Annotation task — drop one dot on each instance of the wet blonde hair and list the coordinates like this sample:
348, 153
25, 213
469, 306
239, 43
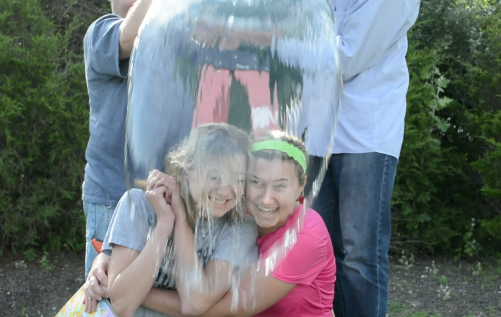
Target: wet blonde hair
276, 154
213, 142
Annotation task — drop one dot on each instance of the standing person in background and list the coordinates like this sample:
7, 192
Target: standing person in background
107, 46
354, 199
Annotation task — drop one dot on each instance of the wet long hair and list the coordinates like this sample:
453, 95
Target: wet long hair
213, 142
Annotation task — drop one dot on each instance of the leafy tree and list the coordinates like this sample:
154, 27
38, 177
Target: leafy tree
43, 120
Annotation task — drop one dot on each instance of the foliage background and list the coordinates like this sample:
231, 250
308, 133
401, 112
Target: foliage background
447, 196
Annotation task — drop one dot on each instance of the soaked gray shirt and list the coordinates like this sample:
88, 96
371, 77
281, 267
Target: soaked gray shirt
134, 219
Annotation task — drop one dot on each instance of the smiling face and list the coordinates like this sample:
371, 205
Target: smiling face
272, 191
222, 188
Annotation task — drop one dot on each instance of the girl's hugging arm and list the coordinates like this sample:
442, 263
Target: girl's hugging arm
134, 259
258, 292
200, 288
236, 249
249, 304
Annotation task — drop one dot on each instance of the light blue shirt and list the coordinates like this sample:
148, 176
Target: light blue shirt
372, 44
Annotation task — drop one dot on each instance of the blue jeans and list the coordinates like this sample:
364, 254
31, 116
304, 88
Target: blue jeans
98, 219
354, 201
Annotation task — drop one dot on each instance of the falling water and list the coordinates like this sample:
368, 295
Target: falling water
259, 65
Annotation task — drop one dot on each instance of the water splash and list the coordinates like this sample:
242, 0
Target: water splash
258, 65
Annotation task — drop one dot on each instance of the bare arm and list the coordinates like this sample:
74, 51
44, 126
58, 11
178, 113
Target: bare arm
199, 288
212, 282
267, 292
132, 273
130, 26
258, 292
164, 301
96, 286
207, 284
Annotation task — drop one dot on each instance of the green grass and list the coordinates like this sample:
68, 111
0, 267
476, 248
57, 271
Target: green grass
442, 280
420, 314
404, 310
416, 314
491, 312
395, 308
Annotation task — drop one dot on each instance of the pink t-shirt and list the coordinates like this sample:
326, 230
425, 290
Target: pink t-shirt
310, 265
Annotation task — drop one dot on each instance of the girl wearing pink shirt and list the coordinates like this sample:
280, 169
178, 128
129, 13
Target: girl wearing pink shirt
302, 283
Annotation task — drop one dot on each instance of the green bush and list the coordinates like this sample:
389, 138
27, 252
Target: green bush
420, 217
489, 167
485, 88
448, 175
43, 120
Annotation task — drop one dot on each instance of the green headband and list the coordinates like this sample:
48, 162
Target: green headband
282, 146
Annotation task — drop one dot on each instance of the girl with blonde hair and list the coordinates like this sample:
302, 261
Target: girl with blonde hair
186, 231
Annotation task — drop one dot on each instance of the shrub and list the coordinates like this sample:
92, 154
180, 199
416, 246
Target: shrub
448, 174
420, 217
43, 120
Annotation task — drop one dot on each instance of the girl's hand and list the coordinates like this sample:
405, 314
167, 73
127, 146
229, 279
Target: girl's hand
156, 179
95, 288
175, 197
171, 191
158, 196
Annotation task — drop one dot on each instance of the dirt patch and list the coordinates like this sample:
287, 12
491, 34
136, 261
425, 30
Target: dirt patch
38, 288
438, 287
418, 288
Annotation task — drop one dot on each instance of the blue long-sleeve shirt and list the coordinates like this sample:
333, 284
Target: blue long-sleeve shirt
372, 44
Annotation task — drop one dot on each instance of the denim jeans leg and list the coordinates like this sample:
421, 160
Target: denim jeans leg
326, 204
363, 184
98, 219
